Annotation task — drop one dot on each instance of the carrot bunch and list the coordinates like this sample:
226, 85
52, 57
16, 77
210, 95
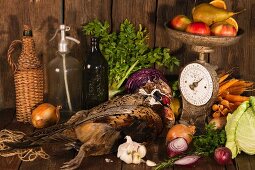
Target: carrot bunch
230, 94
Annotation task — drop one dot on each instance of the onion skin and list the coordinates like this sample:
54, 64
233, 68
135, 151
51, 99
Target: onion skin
181, 131
187, 160
223, 155
45, 115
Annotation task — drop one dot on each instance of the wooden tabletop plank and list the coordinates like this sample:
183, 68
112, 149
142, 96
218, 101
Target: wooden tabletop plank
58, 156
99, 162
204, 163
243, 162
252, 161
231, 166
156, 151
13, 162
6, 117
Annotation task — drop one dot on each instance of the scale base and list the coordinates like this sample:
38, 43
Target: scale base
197, 115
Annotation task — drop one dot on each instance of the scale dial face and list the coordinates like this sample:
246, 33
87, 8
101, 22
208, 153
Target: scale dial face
196, 84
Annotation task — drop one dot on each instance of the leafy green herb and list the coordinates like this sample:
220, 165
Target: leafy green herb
209, 141
168, 163
203, 145
127, 51
175, 88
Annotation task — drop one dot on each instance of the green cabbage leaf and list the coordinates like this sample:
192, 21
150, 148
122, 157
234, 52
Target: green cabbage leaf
240, 129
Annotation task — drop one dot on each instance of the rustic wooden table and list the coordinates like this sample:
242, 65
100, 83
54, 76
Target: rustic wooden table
156, 152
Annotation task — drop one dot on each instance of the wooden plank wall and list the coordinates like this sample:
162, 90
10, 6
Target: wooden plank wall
43, 16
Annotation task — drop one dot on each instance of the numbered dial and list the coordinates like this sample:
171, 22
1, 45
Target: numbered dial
196, 84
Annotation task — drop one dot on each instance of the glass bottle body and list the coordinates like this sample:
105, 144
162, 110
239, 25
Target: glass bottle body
95, 77
65, 83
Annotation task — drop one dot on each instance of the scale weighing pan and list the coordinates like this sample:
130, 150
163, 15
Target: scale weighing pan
204, 40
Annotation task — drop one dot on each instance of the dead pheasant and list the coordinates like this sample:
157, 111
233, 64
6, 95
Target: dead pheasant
97, 131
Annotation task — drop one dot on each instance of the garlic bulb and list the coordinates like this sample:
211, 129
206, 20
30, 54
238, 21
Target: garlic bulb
131, 152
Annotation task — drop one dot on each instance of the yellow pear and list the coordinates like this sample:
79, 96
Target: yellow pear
210, 14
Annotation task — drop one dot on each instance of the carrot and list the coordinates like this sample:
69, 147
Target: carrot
215, 107
242, 83
224, 93
225, 103
227, 85
219, 98
223, 77
237, 103
222, 83
234, 106
216, 114
225, 112
236, 90
236, 98
221, 107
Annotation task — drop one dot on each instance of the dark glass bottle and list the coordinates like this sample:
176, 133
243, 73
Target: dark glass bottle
95, 77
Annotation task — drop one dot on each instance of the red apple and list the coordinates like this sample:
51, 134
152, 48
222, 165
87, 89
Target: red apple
198, 28
180, 22
223, 29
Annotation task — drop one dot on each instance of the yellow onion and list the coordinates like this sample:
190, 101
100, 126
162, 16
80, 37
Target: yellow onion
181, 131
45, 115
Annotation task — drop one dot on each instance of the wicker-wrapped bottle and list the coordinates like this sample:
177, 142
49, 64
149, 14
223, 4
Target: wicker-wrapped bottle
28, 76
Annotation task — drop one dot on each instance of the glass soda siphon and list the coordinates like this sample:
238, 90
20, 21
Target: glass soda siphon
65, 77
95, 77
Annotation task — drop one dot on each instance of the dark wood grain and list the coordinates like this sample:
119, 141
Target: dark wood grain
12, 18
58, 156
252, 161
43, 17
79, 13
13, 163
99, 162
242, 162
156, 151
167, 10
240, 55
204, 163
138, 12
231, 166
6, 117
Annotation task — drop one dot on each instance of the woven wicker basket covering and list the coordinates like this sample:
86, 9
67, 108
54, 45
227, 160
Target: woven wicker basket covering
28, 76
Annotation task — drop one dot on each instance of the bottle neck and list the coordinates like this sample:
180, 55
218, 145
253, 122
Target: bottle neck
28, 57
62, 54
94, 44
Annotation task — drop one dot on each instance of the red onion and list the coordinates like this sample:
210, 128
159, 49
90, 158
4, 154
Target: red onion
176, 147
187, 160
223, 155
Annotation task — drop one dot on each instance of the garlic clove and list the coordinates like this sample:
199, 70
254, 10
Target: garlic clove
142, 151
126, 157
121, 151
125, 147
136, 158
150, 163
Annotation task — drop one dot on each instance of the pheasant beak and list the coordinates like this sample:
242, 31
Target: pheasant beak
162, 98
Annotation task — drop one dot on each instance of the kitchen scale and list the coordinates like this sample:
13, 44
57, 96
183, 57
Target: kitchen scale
198, 80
